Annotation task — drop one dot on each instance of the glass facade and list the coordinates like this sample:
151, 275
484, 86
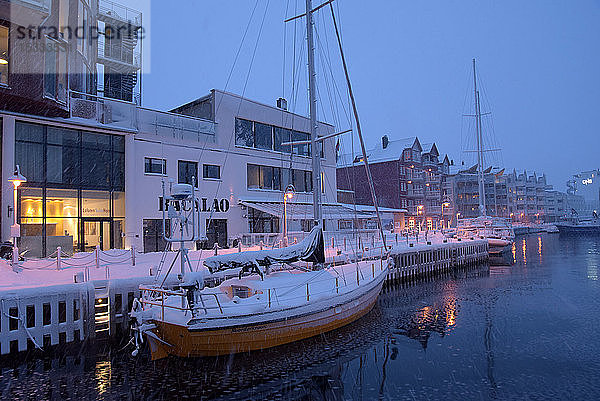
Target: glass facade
74, 196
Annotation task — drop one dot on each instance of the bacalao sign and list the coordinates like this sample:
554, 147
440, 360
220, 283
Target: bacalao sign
217, 205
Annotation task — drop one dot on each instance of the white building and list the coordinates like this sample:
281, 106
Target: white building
96, 178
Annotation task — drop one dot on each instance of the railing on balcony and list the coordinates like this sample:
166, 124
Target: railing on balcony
129, 116
115, 11
25, 12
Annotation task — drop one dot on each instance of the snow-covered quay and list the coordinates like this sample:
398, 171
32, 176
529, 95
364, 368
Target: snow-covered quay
67, 299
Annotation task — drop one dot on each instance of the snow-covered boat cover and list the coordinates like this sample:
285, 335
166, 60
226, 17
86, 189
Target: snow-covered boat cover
310, 249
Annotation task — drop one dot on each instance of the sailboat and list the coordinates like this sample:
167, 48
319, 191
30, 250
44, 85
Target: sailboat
277, 296
498, 231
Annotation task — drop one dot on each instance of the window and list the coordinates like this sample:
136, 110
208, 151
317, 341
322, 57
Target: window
260, 222
187, 170
155, 166
281, 135
243, 133
211, 171
55, 70
4, 55
304, 149
263, 135
263, 177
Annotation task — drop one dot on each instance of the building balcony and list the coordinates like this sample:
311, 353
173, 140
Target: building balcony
25, 12
131, 117
114, 13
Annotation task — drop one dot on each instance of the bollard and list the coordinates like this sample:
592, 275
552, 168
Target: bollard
239, 246
337, 286
332, 242
132, 255
216, 248
344, 244
307, 294
58, 258
396, 238
260, 245
97, 255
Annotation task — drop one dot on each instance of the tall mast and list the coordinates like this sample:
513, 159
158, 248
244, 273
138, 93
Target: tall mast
482, 210
312, 96
358, 129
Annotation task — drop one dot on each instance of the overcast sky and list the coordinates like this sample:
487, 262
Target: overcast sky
410, 64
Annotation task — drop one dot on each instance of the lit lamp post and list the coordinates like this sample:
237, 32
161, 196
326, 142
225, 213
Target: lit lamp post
287, 195
15, 229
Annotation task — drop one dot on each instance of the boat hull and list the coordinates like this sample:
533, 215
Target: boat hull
183, 341
578, 229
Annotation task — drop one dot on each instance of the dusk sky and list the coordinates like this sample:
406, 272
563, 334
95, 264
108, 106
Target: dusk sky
410, 65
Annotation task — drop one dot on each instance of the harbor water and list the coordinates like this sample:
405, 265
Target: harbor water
527, 328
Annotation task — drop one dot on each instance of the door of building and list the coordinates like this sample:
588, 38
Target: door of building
216, 232
96, 231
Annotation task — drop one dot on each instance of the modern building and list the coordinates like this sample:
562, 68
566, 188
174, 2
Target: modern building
408, 178
52, 50
585, 185
522, 197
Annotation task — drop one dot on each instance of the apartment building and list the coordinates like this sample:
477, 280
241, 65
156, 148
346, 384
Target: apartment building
407, 177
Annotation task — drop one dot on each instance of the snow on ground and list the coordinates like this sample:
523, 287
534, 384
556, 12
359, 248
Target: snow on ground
117, 263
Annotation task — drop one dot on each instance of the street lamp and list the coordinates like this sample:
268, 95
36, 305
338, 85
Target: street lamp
15, 230
287, 195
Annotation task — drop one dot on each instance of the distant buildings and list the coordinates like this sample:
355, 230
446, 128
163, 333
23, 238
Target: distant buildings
410, 176
586, 184
519, 196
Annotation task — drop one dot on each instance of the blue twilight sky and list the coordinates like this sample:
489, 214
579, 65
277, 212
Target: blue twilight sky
410, 64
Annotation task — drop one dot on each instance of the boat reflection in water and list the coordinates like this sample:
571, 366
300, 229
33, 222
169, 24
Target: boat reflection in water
430, 319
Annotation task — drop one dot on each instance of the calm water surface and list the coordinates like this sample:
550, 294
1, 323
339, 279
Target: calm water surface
526, 331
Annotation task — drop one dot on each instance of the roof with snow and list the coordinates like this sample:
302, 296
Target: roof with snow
393, 151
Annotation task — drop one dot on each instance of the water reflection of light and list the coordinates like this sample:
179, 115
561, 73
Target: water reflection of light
514, 252
103, 376
540, 247
524, 251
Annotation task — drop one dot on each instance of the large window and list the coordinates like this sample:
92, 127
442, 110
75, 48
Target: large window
155, 166
55, 70
276, 178
264, 136
260, 222
264, 177
71, 175
4, 55
211, 171
244, 135
282, 135
187, 170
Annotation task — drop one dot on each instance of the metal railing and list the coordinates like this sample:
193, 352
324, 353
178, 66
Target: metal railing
127, 115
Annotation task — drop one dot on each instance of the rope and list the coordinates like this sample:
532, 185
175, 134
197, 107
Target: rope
19, 318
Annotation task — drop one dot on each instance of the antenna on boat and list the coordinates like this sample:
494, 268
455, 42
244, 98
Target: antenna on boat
180, 206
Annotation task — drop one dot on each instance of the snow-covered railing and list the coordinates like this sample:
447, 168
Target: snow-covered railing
292, 294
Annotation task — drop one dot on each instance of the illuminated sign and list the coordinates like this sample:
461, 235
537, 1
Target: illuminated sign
587, 181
